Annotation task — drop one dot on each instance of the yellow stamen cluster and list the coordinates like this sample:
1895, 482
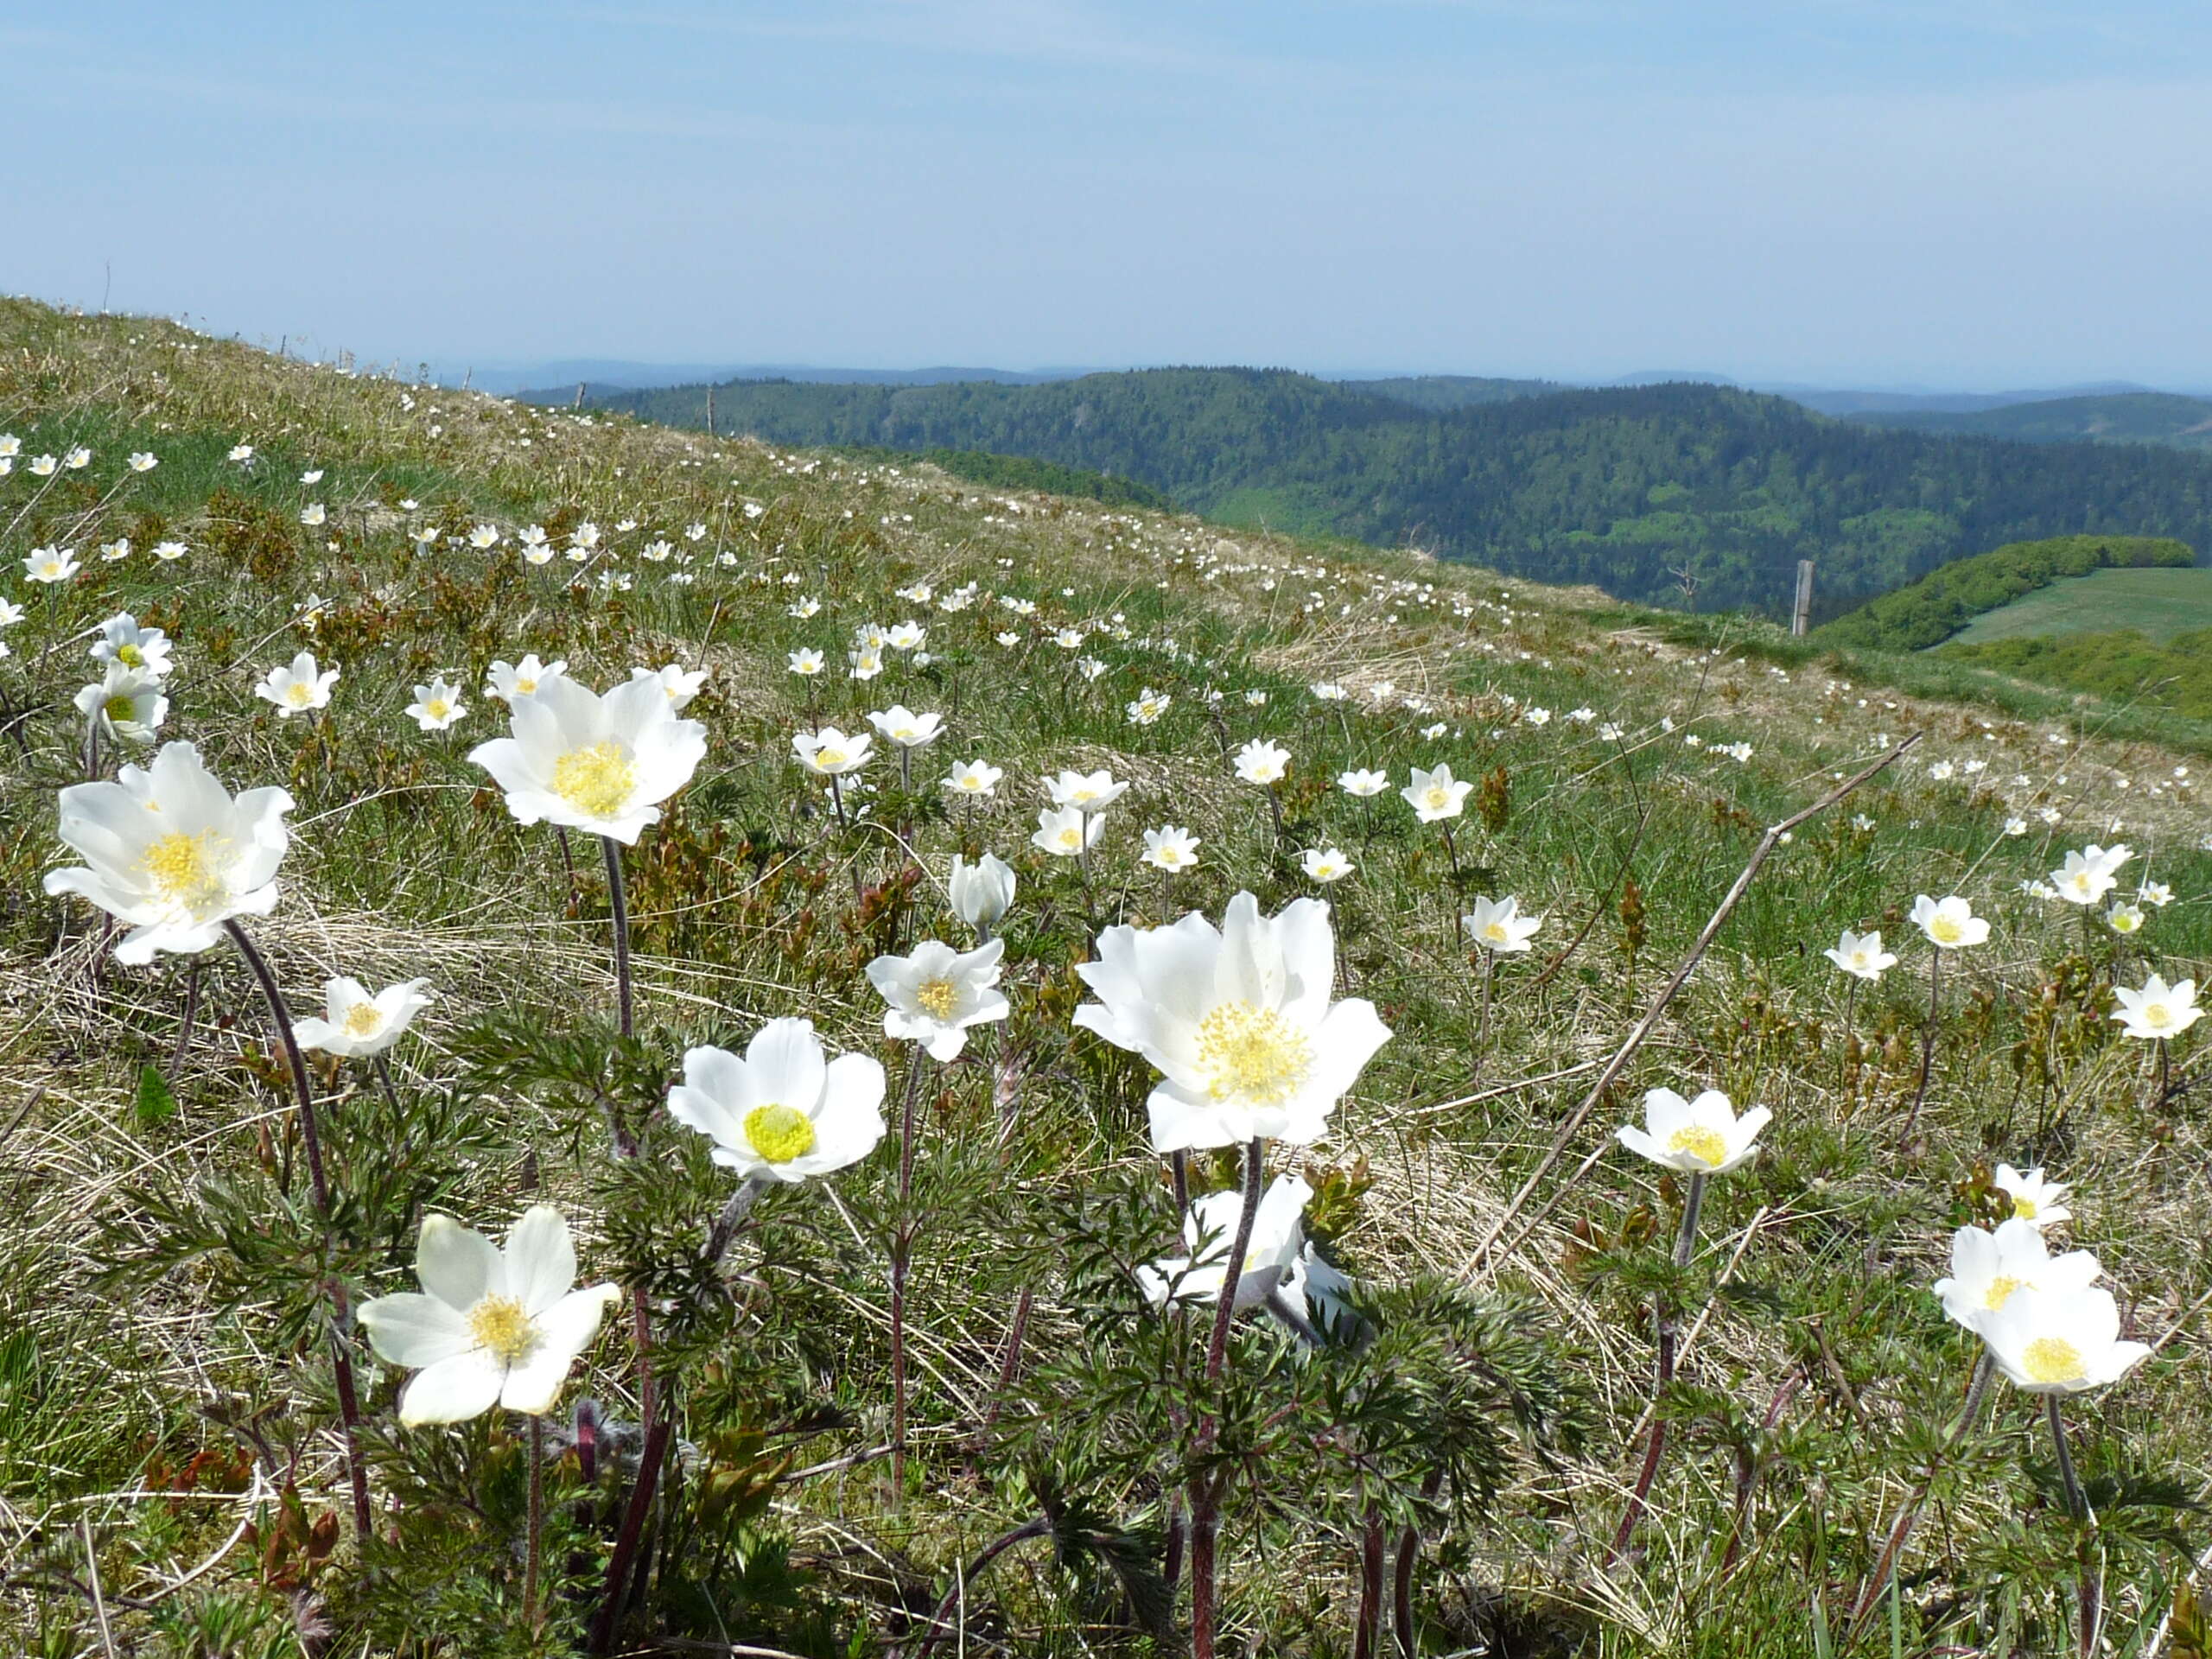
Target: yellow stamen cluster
130, 655
1944, 931
780, 1133
2025, 1209
1708, 1147
186, 869
2052, 1359
297, 693
362, 1019
1252, 1054
597, 781
937, 997
2000, 1290
120, 709
502, 1327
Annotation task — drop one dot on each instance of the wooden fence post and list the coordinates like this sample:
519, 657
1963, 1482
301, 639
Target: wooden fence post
1801, 614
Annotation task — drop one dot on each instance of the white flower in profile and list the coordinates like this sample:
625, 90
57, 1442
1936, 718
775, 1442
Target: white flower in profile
1087, 791
170, 852
597, 763
785, 1111
484, 537
1698, 1137
1171, 847
981, 893
1861, 956
50, 564
143, 461
1069, 638
436, 705
496, 1326
1362, 784
679, 684
120, 640
974, 777
359, 1025
907, 636
805, 663
900, 725
2015, 827
1988, 1267
830, 753
1498, 925
2125, 919
1066, 831
1325, 865
2158, 1010
503, 681
124, 703
2033, 1197
1949, 924
1238, 1022
1209, 1234
2089, 874
313, 475
1436, 796
297, 688
1262, 763
314, 515
44, 466
167, 552
804, 609
2058, 1342
935, 993
241, 452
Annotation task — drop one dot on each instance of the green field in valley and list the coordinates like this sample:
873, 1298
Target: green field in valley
2160, 602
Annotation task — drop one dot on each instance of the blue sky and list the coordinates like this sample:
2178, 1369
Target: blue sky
1959, 193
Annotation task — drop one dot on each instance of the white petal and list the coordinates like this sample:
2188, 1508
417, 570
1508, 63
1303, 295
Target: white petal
414, 1331
456, 1264
541, 1258
452, 1390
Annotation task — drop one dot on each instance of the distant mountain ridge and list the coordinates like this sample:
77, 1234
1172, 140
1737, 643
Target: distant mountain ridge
2132, 417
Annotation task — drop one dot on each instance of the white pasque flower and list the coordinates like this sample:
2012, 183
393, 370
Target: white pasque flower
1699, 1137
1988, 1267
2033, 1197
171, 853
1066, 831
1262, 763
679, 684
598, 763
1087, 791
121, 639
2089, 874
2125, 919
503, 681
2158, 1010
50, 564
934, 993
805, 662
359, 1024
437, 705
125, 702
1861, 956
1949, 923
1237, 1021
909, 730
1171, 847
298, 687
2060, 1341
494, 1326
1497, 926
981, 893
976, 777
1278, 1258
1325, 864
1435, 796
784, 1110
1362, 784
830, 753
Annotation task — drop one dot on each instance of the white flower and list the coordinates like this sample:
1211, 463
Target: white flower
2033, 1197
936, 993
125, 702
313, 475
497, 1327
2015, 827
2157, 895
2089, 874
1148, 706
909, 730
77, 459
361, 1025
2125, 919
44, 466
1989, 1268
1272, 1260
1949, 924
1238, 1022
484, 537
1435, 796
122, 640
1330, 691
115, 551
907, 636
1861, 956
805, 663
503, 681
1325, 865
314, 515
784, 1110
436, 705
1093, 792
10, 613
679, 684
599, 763
170, 853
1262, 763
1069, 638
830, 753
981, 893
50, 564
241, 452
1171, 847
298, 688
804, 609
168, 551
1064, 831
2158, 1010
866, 664
1362, 784
1699, 1137
143, 461
974, 777
2060, 1341
1499, 926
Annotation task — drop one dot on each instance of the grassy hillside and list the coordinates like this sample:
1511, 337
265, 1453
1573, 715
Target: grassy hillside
176, 1302
2172, 672
2116, 418
1625, 488
2158, 603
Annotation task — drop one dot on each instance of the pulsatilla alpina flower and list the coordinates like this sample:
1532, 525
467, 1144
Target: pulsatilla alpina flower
1436, 796
2158, 1010
598, 763
121, 639
2033, 1197
909, 730
125, 702
981, 893
1987, 1268
1861, 956
298, 687
784, 1110
1238, 1022
2060, 1341
1260, 762
1949, 923
1699, 1137
505, 681
1278, 1259
1498, 925
362, 1024
2089, 874
495, 1326
936, 993
830, 753
171, 853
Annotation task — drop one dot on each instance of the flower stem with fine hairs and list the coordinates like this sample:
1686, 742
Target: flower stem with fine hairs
1927, 1041
536, 1521
1655, 1448
619, 902
1207, 1492
349, 1404
902, 1244
732, 1215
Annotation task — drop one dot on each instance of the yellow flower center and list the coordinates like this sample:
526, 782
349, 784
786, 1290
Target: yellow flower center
828, 758
1497, 933
363, 1019
1252, 1054
1438, 797
1708, 1147
2157, 1016
597, 781
937, 997
1944, 929
2052, 1359
120, 708
525, 688
2024, 1208
780, 1133
297, 693
184, 868
436, 708
2000, 1290
130, 655
502, 1327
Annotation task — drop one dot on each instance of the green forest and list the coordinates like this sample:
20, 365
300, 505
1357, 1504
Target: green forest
1929, 611
2106, 417
1666, 493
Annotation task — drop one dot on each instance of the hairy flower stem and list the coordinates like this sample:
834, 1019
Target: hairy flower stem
619, 902
1367, 1633
1482, 1015
658, 1433
536, 1521
733, 1217
1036, 1527
349, 1404
1408, 1558
1985, 1369
1664, 1316
1850, 1034
1206, 1493
1927, 1041
902, 1243
185, 1025
2077, 1505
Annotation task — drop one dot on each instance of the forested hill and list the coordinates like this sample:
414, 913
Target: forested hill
2119, 418
1621, 487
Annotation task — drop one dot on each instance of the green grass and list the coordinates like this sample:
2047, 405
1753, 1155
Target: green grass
2158, 603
